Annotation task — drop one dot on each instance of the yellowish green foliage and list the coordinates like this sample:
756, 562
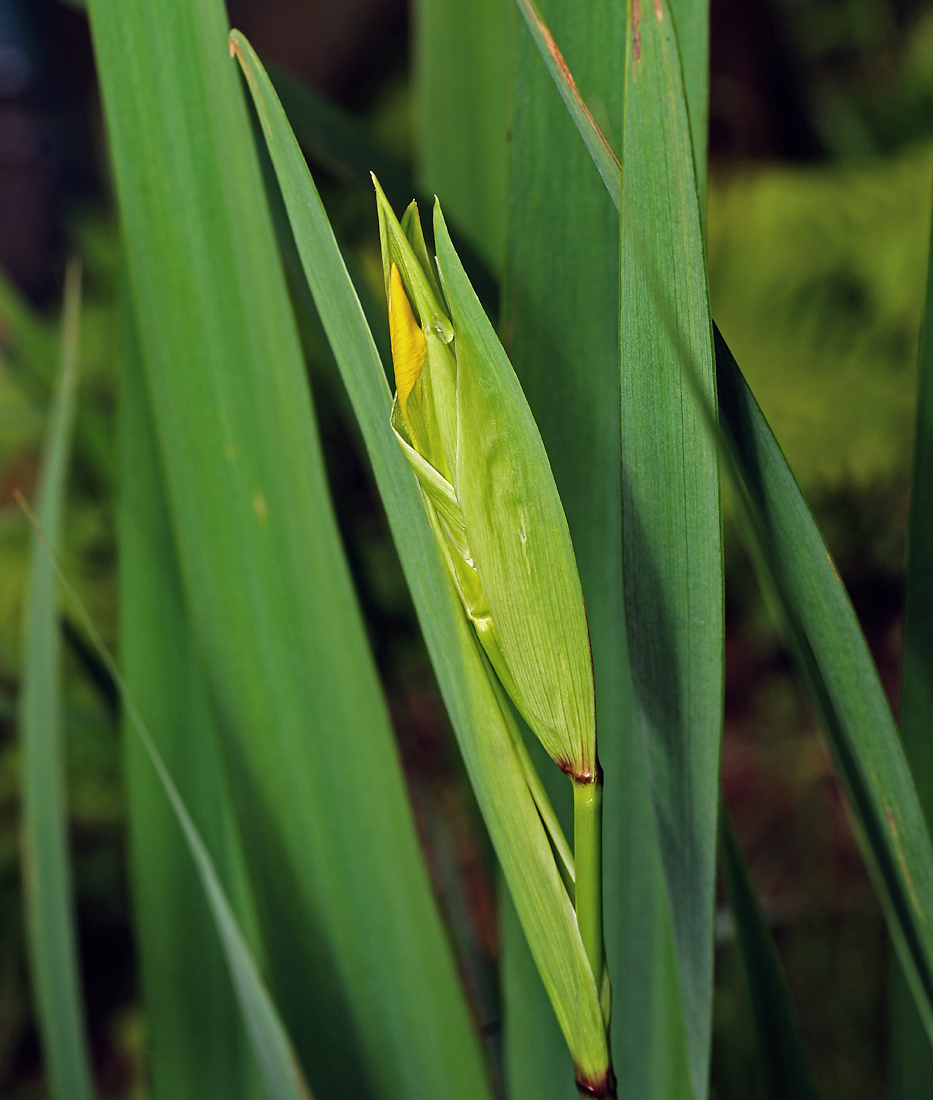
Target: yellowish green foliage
465, 427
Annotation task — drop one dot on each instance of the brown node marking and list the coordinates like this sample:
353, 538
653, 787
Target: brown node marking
583, 777
604, 1088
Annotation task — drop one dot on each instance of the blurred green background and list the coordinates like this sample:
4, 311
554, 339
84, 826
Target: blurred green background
821, 145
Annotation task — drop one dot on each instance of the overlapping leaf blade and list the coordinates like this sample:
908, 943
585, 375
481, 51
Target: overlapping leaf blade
476, 712
278, 1064
597, 140
560, 306
830, 650
46, 869
462, 68
785, 1070
911, 1052
197, 1046
357, 956
691, 22
670, 494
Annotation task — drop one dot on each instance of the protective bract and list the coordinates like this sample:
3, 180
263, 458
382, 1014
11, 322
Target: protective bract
463, 423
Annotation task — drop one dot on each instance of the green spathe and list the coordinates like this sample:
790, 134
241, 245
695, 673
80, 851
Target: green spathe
465, 427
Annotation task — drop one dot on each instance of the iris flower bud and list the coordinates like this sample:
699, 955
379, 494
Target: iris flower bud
465, 427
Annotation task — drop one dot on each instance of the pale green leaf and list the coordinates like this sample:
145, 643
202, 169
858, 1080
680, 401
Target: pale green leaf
197, 1046
518, 532
278, 1065
50, 918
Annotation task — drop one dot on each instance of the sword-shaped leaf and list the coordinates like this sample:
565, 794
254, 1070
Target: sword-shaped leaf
911, 1052
785, 1070
197, 1046
560, 307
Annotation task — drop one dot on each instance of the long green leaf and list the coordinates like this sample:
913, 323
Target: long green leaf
691, 20
476, 711
197, 1047
357, 956
278, 1065
46, 873
671, 507
911, 1053
830, 650
560, 305
785, 1070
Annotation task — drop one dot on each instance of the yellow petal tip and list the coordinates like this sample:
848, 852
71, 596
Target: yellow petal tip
409, 346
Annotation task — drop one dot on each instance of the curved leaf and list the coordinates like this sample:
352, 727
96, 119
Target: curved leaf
46, 870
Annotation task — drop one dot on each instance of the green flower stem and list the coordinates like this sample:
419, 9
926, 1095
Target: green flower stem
588, 857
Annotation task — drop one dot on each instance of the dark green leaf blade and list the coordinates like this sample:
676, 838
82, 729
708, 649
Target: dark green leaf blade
691, 20
828, 645
670, 500
46, 872
604, 156
196, 1039
356, 951
785, 1070
462, 61
560, 302
911, 1054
